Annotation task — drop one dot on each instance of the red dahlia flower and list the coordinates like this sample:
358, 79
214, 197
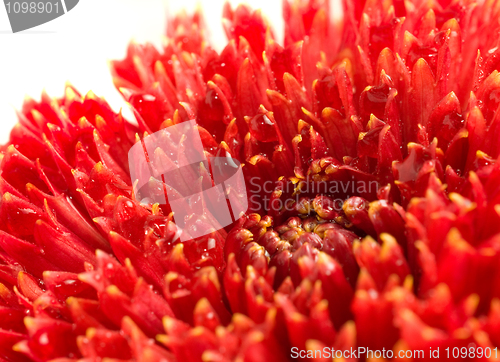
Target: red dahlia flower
371, 152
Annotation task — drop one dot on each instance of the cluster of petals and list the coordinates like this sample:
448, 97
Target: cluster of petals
403, 95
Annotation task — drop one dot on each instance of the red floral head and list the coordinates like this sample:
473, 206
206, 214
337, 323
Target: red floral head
369, 147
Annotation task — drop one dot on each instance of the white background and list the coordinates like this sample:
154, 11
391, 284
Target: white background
76, 47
